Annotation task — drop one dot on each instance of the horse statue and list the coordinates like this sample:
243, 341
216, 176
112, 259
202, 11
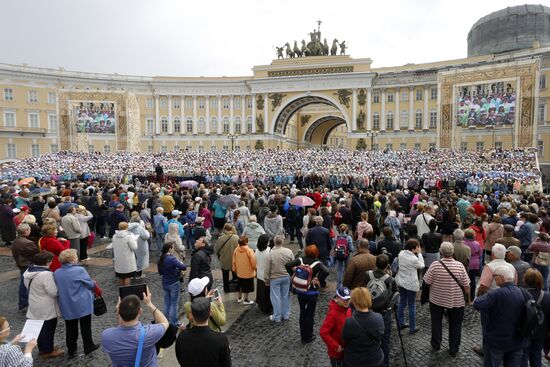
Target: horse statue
289, 52
325, 48
297, 50
305, 50
334, 47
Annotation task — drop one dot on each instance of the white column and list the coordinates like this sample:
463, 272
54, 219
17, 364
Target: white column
411, 109
157, 114
231, 116
369, 112
243, 115
354, 110
219, 115
194, 115
383, 111
266, 122
396, 113
182, 114
207, 126
426, 115
170, 122
253, 113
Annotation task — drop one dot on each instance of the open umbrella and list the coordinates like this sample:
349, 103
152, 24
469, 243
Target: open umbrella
229, 200
189, 183
40, 191
26, 181
302, 200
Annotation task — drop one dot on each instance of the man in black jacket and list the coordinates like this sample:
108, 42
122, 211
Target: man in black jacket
319, 236
389, 245
201, 258
200, 346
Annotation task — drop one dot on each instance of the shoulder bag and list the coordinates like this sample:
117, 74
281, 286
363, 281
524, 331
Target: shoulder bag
140, 346
466, 298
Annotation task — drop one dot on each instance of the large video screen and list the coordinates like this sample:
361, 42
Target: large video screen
492, 104
95, 117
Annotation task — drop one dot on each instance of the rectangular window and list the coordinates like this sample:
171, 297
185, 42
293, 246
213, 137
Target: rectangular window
226, 103
54, 148
12, 150
480, 145
91, 148
188, 103
9, 119
35, 150
498, 145
542, 82
390, 97
149, 103
433, 93
540, 148
433, 119
177, 126
464, 146
8, 94
107, 149
403, 146
189, 124
419, 94
542, 113
33, 96
52, 122
33, 120
213, 103
404, 94
248, 102
225, 148
389, 121
417, 146
418, 120
375, 146
150, 148
163, 103
376, 121
163, 148
201, 103
51, 97
150, 126
237, 148
238, 103
376, 98
176, 103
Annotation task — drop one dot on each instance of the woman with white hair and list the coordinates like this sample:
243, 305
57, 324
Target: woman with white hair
124, 246
253, 230
137, 228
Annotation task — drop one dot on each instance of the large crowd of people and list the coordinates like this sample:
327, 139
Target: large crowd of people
455, 235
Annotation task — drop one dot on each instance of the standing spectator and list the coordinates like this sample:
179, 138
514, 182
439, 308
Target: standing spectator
446, 294
175, 220
253, 230
43, 302
71, 226
170, 269
49, 242
100, 212
159, 223
23, 251
331, 329
84, 216
526, 234
10, 352
308, 299
120, 343
362, 332
124, 246
200, 261
430, 243
534, 285
244, 265
392, 222
200, 346
508, 238
262, 291
480, 234
198, 287
363, 226
541, 256
503, 307
462, 252
358, 265
342, 249
423, 220
383, 303
476, 257
513, 256
219, 215
76, 301
320, 237
487, 279
410, 261
137, 228
117, 216
244, 213
225, 246
173, 237
51, 211
205, 213
495, 230
388, 245
167, 202
276, 277
294, 218
273, 223
237, 222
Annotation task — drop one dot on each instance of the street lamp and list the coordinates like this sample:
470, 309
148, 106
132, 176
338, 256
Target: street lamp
372, 134
232, 137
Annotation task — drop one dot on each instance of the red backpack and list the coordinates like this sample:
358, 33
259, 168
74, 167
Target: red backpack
341, 250
303, 275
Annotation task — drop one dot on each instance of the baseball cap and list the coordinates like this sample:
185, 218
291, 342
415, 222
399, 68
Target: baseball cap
515, 250
25, 208
176, 212
196, 285
343, 293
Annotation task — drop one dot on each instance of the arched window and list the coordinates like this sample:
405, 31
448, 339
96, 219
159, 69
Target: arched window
226, 125
163, 124
213, 125
177, 125
389, 120
201, 126
249, 124
238, 125
189, 124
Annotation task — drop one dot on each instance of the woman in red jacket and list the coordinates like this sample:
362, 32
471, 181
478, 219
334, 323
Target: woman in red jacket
49, 242
331, 330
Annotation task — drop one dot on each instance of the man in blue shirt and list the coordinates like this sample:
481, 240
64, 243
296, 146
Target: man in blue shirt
121, 343
502, 308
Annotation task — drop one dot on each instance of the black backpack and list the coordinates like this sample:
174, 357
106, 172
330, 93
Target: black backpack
532, 316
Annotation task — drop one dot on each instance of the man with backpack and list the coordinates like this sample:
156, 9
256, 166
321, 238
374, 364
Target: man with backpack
504, 308
383, 290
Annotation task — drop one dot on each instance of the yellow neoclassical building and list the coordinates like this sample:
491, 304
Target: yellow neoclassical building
498, 96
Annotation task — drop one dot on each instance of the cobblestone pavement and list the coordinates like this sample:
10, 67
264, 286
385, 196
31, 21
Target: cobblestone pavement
254, 340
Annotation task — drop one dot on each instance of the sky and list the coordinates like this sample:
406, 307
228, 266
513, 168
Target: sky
227, 38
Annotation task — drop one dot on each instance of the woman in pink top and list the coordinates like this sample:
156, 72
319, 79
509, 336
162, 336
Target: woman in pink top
475, 258
207, 215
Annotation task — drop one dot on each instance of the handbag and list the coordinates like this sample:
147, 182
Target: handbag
100, 307
91, 239
542, 259
466, 297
